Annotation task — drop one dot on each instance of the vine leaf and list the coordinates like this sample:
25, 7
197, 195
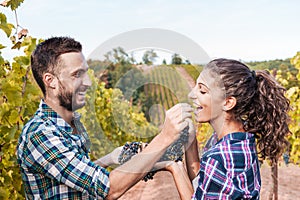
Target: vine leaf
13, 4
17, 45
6, 27
2, 47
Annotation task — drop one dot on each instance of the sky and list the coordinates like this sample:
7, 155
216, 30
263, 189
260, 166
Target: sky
254, 30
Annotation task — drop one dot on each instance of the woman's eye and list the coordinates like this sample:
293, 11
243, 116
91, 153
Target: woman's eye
202, 92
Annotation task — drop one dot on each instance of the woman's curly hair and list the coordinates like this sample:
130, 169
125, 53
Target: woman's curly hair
261, 105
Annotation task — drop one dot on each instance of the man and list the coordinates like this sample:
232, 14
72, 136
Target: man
53, 147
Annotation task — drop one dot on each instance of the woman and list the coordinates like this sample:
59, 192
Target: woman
248, 112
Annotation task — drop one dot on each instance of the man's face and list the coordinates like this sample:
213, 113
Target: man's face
73, 81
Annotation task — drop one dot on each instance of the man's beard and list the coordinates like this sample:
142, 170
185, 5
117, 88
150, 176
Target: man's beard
66, 99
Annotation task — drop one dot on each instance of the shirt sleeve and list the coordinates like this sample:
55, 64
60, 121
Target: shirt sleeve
53, 155
213, 182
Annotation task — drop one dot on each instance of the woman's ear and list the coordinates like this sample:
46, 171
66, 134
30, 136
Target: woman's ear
49, 80
229, 103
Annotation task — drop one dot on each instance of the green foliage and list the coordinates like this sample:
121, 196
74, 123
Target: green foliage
118, 55
149, 57
294, 96
165, 87
18, 92
111, 120
176, 59
4, 26
193, 70
12, 4
283, 70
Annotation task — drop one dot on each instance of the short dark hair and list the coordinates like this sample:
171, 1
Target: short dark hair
45, 57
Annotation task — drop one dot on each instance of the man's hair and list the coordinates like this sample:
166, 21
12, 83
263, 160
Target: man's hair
46, 57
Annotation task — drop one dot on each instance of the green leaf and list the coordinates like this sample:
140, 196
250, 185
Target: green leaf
22, 60
2, 47
17, 45
13, 117
6, 27
4, 193
13, 4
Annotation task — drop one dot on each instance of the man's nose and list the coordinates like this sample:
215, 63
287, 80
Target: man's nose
87, 81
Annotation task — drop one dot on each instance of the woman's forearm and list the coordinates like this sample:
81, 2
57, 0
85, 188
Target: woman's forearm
182, 181
192, 159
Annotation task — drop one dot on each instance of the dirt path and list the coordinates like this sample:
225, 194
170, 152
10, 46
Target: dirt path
288, 182
162, 187
186, 76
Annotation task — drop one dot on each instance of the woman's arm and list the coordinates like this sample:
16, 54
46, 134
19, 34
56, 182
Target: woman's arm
191, 153
192, 160
182, 181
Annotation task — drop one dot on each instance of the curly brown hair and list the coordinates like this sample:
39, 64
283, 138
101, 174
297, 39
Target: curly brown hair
260, 104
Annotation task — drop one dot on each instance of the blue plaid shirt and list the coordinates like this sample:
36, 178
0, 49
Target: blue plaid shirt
54, 161
229, 169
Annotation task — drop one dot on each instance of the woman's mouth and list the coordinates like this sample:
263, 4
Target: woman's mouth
197, 108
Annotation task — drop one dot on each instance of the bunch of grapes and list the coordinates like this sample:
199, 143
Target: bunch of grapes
129, 150
174, 152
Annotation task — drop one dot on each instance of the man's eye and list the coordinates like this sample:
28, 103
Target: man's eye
78, 74
202, 92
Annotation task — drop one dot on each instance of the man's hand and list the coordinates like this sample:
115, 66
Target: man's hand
110, 159
114, 155
175, 120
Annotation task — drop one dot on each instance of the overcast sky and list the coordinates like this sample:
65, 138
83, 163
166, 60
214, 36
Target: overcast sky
247, 30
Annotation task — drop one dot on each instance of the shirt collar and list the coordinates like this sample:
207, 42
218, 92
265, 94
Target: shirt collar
47, 112
237, 136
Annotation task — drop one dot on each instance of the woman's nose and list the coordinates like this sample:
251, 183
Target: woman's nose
191, 95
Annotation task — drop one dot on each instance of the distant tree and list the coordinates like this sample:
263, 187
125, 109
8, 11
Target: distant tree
187, 62
176, 59
149, 57
118, 55
164, 62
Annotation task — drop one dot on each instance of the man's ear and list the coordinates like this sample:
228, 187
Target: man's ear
50, 80
229, 103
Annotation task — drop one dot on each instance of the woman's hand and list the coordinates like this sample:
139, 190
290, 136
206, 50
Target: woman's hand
182, 181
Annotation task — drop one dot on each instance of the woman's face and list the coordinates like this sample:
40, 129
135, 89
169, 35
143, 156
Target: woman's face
208, 97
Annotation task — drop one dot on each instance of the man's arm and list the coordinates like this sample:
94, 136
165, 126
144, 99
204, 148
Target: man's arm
125, 176
109, 159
